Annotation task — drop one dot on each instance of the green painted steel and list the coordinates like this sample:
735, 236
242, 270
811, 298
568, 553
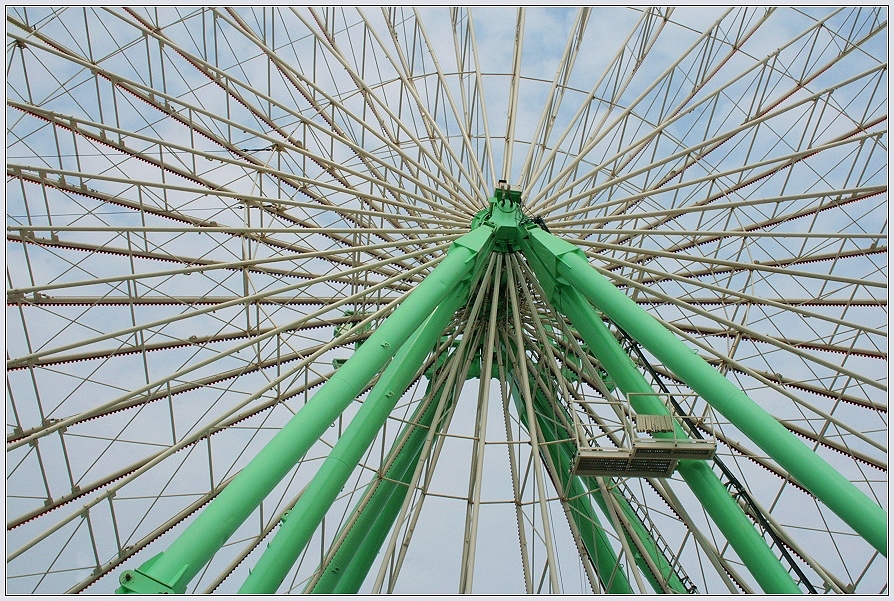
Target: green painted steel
592, 533
738, 529
171, 570
376, 513
641, 532
853, 506
304, 518
347, 570
776, 577
568, 449
503, 214
570, 282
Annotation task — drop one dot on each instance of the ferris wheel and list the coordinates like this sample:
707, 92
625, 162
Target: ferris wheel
445, 300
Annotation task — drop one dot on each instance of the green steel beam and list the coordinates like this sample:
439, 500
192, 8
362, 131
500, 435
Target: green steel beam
704, 483
592, 533
171, 570
642, 535
345, 572
295, 532
567, 449
374, 516
562, 269
350, 565
569, 265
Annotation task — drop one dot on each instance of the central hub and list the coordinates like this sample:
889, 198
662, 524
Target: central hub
504, 215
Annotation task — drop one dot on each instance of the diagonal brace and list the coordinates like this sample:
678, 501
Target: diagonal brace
295, 533
172, 570
569, 265
757, 556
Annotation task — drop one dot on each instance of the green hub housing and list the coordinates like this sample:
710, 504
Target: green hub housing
504, 214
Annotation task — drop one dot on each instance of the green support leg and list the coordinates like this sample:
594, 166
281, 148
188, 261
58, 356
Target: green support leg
346, 571
172, 570
738, 529
570, 265
592, 534
563, 455
295, 532
666, 572
563, 451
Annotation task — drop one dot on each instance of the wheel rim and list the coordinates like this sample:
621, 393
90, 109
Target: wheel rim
196, 198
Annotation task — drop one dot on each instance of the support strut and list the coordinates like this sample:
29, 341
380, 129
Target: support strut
171, 570
575, 288
704, 483
294, 534
570, 267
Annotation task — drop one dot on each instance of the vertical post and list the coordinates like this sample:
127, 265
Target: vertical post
526, 394
592, 533
470, 536
171, 570
355, 548
346, 570
563, 451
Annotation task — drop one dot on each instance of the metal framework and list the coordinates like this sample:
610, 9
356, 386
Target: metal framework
275, 323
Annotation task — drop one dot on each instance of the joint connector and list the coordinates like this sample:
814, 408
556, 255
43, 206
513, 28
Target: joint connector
134, 582
504, 215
